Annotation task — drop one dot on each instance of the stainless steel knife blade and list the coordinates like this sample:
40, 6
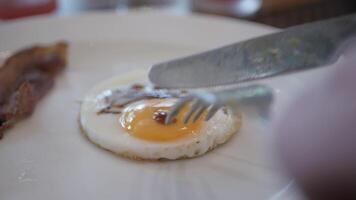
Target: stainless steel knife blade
298, 48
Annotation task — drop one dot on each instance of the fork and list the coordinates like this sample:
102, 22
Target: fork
212, 101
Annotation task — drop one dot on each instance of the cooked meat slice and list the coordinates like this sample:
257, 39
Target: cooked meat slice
25, 77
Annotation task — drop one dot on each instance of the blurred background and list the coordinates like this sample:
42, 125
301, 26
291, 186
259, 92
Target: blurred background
278, 13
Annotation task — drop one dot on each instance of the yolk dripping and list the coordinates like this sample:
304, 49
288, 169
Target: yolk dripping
138, 120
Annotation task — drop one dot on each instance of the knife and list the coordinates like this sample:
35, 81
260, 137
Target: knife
298, 48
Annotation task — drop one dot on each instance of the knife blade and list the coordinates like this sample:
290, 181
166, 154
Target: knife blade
298, 48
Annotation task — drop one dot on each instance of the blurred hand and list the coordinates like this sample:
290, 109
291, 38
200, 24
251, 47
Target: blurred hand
316, 136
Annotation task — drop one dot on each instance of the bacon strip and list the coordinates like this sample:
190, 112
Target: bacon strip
25, 78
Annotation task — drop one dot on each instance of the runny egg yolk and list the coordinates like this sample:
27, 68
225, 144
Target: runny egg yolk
138, 119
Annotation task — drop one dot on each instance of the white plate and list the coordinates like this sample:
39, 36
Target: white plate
46, 157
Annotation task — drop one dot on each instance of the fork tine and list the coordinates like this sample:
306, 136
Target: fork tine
176, 108
192, 109
198, 113
212, 111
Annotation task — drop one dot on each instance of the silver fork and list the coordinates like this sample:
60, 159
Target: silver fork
212, 101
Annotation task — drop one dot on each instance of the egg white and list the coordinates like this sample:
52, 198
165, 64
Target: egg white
106, 131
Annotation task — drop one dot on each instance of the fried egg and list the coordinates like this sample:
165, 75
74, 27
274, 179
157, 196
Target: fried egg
128, 120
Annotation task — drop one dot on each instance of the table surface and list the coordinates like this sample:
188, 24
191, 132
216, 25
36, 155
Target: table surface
279, 13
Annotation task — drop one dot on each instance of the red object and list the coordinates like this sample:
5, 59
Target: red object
10, 9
